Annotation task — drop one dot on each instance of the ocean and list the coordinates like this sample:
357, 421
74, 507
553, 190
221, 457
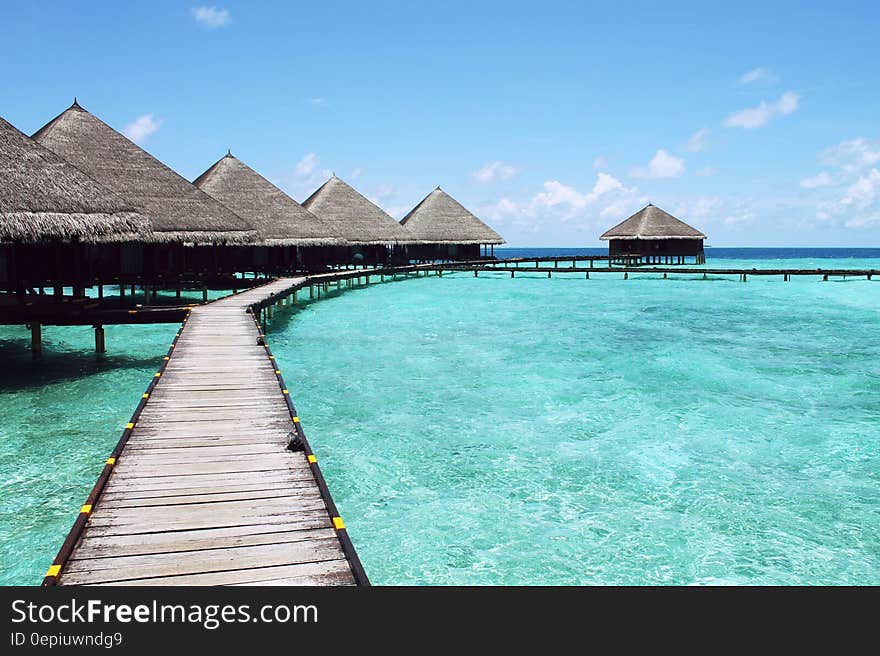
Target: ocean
530, 431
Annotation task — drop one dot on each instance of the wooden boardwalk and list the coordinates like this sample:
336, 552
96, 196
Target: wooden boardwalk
202, 489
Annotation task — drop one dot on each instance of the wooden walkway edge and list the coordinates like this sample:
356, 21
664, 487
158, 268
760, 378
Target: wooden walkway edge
202, 488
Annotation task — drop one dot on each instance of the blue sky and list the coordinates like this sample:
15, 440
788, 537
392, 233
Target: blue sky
757, 122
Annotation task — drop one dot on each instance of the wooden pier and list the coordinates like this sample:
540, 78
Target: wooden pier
202, 488
538, 265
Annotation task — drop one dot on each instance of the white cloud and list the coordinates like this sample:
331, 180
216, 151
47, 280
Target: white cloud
382, 193
495, 172
307, 165
600, 163
848, 195
662, 165
211, 17
823, 179
756, 117
569, 203
141, 128
852, 155
707, 171
758, 75
712, 210
697, 142
305, 177
863, 192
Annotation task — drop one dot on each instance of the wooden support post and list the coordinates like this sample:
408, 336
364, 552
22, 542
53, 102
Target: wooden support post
132, 290
100, 291
36, 340
311, 292
548, 274
476, 273
177, 292
512, 274
368, 280
825, 277
664, 275
204, 293
269, 311
704, 277
625, 275
99, 339
588, 273
121, 290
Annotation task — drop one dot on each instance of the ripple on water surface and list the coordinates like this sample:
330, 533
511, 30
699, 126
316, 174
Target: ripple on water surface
488, 430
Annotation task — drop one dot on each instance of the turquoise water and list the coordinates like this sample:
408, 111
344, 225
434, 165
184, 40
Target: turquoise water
533, 431
487, 430
59, 420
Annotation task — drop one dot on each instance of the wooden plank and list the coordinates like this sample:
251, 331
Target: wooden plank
329, 572
124, 568
178, 541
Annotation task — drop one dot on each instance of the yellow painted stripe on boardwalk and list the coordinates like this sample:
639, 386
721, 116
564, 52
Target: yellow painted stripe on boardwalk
111, 461
129, 425
55, 570
338, 524
296, 420
312, 459
86, 508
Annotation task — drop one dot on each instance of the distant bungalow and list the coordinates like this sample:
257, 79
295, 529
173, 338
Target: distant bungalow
371, 233
653, 236
288, 235
446, 230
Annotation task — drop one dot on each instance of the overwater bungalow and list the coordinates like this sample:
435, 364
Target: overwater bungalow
446, 230
51, 215
372, 235
289, 237
652, 236
185, 221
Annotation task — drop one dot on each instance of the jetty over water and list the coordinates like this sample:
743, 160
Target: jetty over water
203, 488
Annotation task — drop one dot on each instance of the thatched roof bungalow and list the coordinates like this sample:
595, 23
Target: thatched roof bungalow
178, 210
654, 236
43, 198
353, 216
439, 218
278, 218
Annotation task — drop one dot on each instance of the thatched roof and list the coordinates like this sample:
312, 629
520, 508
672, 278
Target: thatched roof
439, 219
178, 210
42, 198
278, 219
652, 223
353, 217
